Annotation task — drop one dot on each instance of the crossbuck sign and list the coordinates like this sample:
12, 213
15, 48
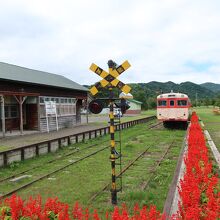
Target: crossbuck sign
110, 78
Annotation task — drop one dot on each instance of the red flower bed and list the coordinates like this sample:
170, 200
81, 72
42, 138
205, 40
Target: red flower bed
16, 209
199, 196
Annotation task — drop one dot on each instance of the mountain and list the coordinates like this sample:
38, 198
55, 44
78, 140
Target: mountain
147, 92
152, 89
211, 86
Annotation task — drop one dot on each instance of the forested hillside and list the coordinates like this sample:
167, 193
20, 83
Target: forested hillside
149, 91
211, 86
204, 94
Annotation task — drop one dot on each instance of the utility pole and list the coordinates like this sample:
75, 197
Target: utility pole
196, 99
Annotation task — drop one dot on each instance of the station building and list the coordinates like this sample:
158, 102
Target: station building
24, 92
135, 107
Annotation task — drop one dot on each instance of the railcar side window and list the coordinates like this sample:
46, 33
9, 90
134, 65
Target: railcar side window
182, 102
171, 102
162, 103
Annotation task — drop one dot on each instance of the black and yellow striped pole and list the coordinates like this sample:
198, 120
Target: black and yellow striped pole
112, 136
113, 155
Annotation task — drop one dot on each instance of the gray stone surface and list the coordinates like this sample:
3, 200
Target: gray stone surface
14, 156
20, 178
213, 148
29, 153
176, 198
19, 141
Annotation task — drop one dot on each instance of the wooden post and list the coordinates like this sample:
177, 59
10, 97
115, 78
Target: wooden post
38, 113
87, 112
20, 101
59, 143
68, 140
3, 115
49, 146
83, 139
22, 154
21, 115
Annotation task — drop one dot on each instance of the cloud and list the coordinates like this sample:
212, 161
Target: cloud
159, 38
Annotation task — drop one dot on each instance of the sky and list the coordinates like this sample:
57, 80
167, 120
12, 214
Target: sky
163, 40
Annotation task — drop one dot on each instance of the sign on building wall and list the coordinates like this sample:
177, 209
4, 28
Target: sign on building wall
50, 107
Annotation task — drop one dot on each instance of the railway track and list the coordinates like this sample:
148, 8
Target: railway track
155, 125
123, 171
145, 184
48, 162
46, 175
50, 173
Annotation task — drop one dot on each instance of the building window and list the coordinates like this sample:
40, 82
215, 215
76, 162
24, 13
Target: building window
11, 111
64, 106
41, 100
14, 111
42, 111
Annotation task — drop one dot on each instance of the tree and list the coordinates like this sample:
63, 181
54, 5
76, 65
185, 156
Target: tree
152, 103
141, 97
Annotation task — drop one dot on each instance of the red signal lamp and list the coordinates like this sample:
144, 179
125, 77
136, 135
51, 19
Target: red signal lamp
96, 106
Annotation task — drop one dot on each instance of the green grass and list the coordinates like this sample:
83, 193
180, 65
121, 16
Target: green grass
211, 122
81, 181
2, 148
143, 114
149, 112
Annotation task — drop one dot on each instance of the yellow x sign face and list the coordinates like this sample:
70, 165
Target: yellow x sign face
110, 78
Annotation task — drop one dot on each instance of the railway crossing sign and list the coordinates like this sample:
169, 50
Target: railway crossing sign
110, 79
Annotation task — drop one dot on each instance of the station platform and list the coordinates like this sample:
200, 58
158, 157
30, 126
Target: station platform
14, 139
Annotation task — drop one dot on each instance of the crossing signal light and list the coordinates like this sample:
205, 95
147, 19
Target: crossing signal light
123, 105
96, 106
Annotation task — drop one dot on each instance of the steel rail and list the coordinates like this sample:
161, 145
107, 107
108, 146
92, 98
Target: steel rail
144, 185
49, 174
50, 161
155, 125
128, 166
123, 171
61, 168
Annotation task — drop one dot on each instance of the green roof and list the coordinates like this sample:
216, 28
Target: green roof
22, 74
135, 101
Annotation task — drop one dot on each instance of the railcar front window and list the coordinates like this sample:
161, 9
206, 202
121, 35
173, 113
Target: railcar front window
181, 102
162, 103
171, 103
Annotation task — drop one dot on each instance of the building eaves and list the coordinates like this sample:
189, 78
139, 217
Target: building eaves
26, 75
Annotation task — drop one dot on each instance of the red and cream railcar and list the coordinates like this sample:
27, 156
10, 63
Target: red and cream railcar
173, 107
